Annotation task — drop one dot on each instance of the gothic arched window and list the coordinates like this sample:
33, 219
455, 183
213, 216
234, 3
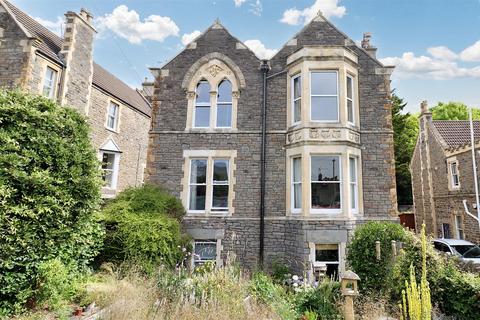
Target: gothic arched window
202, 105
224, 104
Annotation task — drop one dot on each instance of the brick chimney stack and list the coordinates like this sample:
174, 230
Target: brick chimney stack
77, 52
371, 50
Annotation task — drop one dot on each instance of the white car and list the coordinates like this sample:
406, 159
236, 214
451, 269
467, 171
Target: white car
465, 250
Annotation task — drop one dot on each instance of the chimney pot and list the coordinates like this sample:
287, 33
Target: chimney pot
424, 107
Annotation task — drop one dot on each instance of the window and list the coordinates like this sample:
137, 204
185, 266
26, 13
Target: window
224, 105
204, 251
350, 104
325, 183
202, 105
455, 182
459, 227
109, 169
49, 83
220, 185
353, 184
296, 184
446, 231
198, 184
297, 98
329, 255
209, 177
324, 96
112, 116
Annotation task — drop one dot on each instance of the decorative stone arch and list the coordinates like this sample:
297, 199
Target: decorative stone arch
207, 59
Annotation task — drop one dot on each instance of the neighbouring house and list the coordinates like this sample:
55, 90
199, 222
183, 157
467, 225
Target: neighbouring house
278, 159
442, 177
62, 68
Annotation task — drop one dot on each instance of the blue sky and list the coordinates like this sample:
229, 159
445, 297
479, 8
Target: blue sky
434, 43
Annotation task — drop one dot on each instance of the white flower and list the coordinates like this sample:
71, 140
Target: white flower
295, 284
295, 278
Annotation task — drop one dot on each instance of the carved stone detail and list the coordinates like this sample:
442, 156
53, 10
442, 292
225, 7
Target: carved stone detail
191, 95
236, 94
214, 70
323, 134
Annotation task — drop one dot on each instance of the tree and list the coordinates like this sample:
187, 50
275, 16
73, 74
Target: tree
453, 111
405, 128
49, 192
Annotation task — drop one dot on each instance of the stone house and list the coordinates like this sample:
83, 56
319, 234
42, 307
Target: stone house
442, 177
62, 68
278, 159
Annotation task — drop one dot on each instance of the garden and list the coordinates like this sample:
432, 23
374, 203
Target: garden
65, 254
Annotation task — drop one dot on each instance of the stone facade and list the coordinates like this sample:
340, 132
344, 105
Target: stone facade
289, 236
28, 50
437, 202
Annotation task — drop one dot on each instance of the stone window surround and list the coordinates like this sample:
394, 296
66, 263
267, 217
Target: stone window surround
305, 152
119, 121
57, 69
188, 155
304, 68
214, 72
451, 187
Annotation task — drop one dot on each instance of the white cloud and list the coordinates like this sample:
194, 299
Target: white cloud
189, 37
442, 53
329, 8
411, 66
127, 24
256, 8
54, 26
259, 49
238, 3
471, 53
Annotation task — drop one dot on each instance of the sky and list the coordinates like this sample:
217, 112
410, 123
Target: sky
434, 44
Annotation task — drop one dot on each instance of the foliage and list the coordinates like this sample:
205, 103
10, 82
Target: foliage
143, 226
322, 300
417, 304
453, 111
280, 272
456, 293
361, 256
405, 128
49, 191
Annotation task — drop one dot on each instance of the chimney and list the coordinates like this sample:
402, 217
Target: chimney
77, 54
147, 89
371, 50
424, 107
425, 115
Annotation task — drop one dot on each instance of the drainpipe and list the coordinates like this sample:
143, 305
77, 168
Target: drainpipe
264, 68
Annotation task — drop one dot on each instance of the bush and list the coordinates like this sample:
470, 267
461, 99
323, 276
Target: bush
49, 190
323, 300
143, 226
361, 257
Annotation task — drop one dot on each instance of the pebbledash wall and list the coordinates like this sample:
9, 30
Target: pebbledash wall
290, 236
27, 49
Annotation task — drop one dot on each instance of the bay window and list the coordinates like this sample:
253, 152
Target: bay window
325, 184
296, 184
352, 164
324, 96
198, 184
297, 98
350, 100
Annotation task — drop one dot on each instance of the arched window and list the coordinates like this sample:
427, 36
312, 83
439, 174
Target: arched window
202, 105
224, 105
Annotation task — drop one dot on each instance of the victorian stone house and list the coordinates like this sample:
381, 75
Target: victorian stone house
278, 159
442, 177
62, 68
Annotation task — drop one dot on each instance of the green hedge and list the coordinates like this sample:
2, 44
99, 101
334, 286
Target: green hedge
49, 190
143, 227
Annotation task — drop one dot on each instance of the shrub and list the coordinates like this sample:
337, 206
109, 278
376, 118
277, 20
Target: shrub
143, 226
322, 300
361, 257
49, 190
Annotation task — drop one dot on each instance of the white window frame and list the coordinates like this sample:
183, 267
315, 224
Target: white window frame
115, 116
326, 211
293, 183
337, 263
216, 210
51, 82
195, 261
202, 104
453, 175
352, 99
292, 88
218, 102
353, 185
325, 95
459, 227
114, 170
190, 184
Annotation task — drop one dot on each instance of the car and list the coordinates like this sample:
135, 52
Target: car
465, 250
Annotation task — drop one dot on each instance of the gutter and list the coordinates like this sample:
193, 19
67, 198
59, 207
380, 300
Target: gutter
264, 67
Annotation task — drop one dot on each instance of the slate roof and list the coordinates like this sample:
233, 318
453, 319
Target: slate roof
51, 44
456, 133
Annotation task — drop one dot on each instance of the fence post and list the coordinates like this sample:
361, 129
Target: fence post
377, 249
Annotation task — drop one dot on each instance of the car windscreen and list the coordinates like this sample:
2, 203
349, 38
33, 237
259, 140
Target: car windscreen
462, 249
473, 253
